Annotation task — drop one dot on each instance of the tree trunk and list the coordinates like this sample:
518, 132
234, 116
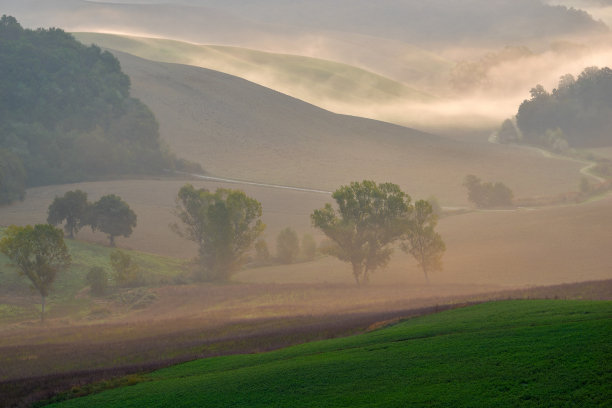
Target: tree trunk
357, 273
426, 277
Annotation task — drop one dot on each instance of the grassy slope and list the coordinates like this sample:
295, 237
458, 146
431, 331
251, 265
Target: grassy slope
527, 353
63, 299
310, 79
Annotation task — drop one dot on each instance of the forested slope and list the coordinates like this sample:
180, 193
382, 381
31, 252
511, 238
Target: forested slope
66, 114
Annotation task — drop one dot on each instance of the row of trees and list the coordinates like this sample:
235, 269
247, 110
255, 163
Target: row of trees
368, 220
110, 214
289, 249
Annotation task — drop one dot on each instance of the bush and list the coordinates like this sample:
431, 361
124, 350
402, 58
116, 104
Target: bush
262, 253
97, 278
125, 273
287, 246
486, 195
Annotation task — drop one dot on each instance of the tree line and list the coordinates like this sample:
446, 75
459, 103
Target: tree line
66, 114
578, 113
110, 214
367, 220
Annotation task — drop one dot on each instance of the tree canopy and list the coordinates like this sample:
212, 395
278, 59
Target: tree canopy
72, 208
578, 113
369, 218
487, 194
287, 246
225, 224
66, 113
39, 253
421, 241
113, 216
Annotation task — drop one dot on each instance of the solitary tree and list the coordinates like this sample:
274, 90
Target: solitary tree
369, 218
287, 246
39, 253
113, 216
421, 241
72, 208
224, 224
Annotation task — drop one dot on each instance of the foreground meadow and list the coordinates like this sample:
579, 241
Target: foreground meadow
512, 353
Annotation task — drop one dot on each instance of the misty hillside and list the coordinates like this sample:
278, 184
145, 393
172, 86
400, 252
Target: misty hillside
66, 114
242, 130
321, 82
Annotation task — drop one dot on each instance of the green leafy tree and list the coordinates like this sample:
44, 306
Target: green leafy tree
309, 247
287, 246
97, 279
72, 208
125, 271
369, 218
113, 216
224, 224
39, 253
421, 241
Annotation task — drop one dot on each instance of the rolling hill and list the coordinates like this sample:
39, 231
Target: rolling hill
504, 354
238, 129
321, 82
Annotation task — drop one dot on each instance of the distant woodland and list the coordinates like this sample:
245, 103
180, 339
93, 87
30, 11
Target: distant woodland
66, 114
578, 113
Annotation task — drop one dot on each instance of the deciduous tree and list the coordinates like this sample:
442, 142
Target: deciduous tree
224, 224
421, 241
368, 219
72, 208
39, 253
113, 216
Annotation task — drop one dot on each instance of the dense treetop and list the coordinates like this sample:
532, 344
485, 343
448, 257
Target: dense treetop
66, 113
578, 113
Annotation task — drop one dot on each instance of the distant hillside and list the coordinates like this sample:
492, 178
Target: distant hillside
242, 130
66, 114
321, 82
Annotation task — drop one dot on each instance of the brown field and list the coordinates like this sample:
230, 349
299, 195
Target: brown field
237, 129
38, 362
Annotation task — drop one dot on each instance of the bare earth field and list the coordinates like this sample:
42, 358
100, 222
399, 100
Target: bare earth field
237, 129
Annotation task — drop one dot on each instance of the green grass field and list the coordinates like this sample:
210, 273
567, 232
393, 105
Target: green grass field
511, 353
63, 299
